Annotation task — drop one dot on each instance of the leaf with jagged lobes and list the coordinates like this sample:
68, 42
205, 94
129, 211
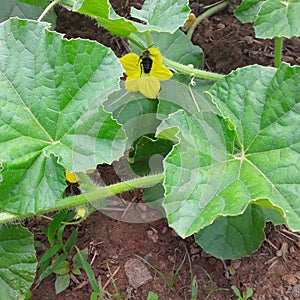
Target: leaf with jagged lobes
271, 18
51, 117
157, 15
247, 153
18, 262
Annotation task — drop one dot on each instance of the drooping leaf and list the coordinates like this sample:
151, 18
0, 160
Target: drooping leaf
250, 155
161, 16
237, 236
233, 237
18, 262
272, 18
51, 115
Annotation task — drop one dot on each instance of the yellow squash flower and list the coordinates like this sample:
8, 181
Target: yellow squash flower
70, 177
189, 22
145, 72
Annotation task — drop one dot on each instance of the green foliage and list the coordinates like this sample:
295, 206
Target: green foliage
232, 165
246, 295
55, 93
272, 18
228, 151
18, 262
152, 296
154, 14
30, 9
57, 258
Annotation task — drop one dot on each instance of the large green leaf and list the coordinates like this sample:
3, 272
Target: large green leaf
162, 16
237, 236
131, 110
51, 115
17, 263
175, 46
272, 18
24, 10
175, 95
250, 155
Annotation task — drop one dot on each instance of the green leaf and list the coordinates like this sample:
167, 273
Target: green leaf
39, 3
49, 254
25, 10
76, 259
71, 241
272, 18
152, 296
61, 283
175, 96
248, 10
89, 271
149, 154
18, 262
166, 15
233, 237
162, 16
62, 268
46, 270
131, 110
52, 118
176, 46
55, 224
248, 155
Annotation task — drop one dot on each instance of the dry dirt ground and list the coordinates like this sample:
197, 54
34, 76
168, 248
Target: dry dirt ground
273, 272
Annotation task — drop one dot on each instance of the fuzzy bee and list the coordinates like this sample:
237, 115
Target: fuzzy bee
145, 72
146, 61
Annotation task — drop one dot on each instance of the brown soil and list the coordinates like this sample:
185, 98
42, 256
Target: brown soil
273, 271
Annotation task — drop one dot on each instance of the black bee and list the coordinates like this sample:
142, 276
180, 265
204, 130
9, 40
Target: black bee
146, 61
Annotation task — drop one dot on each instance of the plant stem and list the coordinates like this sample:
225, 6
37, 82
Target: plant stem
52, 4
278, 51
192, 71
149, 39
90, 197
206, 14
136, 40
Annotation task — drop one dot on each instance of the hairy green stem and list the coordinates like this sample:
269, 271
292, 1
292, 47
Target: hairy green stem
192, 71
90, 197
206, 14
52, 4
136, 40
278, 51
149, 39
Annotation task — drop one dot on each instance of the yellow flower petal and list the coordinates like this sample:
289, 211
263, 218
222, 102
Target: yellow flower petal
156, 56
149, 87
81, 213
161, 72
189, 22
131, 64
132, 85
137, 80
70, 177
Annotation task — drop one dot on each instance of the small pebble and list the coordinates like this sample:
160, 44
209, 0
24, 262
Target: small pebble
137, 273
289, 279
221, 26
